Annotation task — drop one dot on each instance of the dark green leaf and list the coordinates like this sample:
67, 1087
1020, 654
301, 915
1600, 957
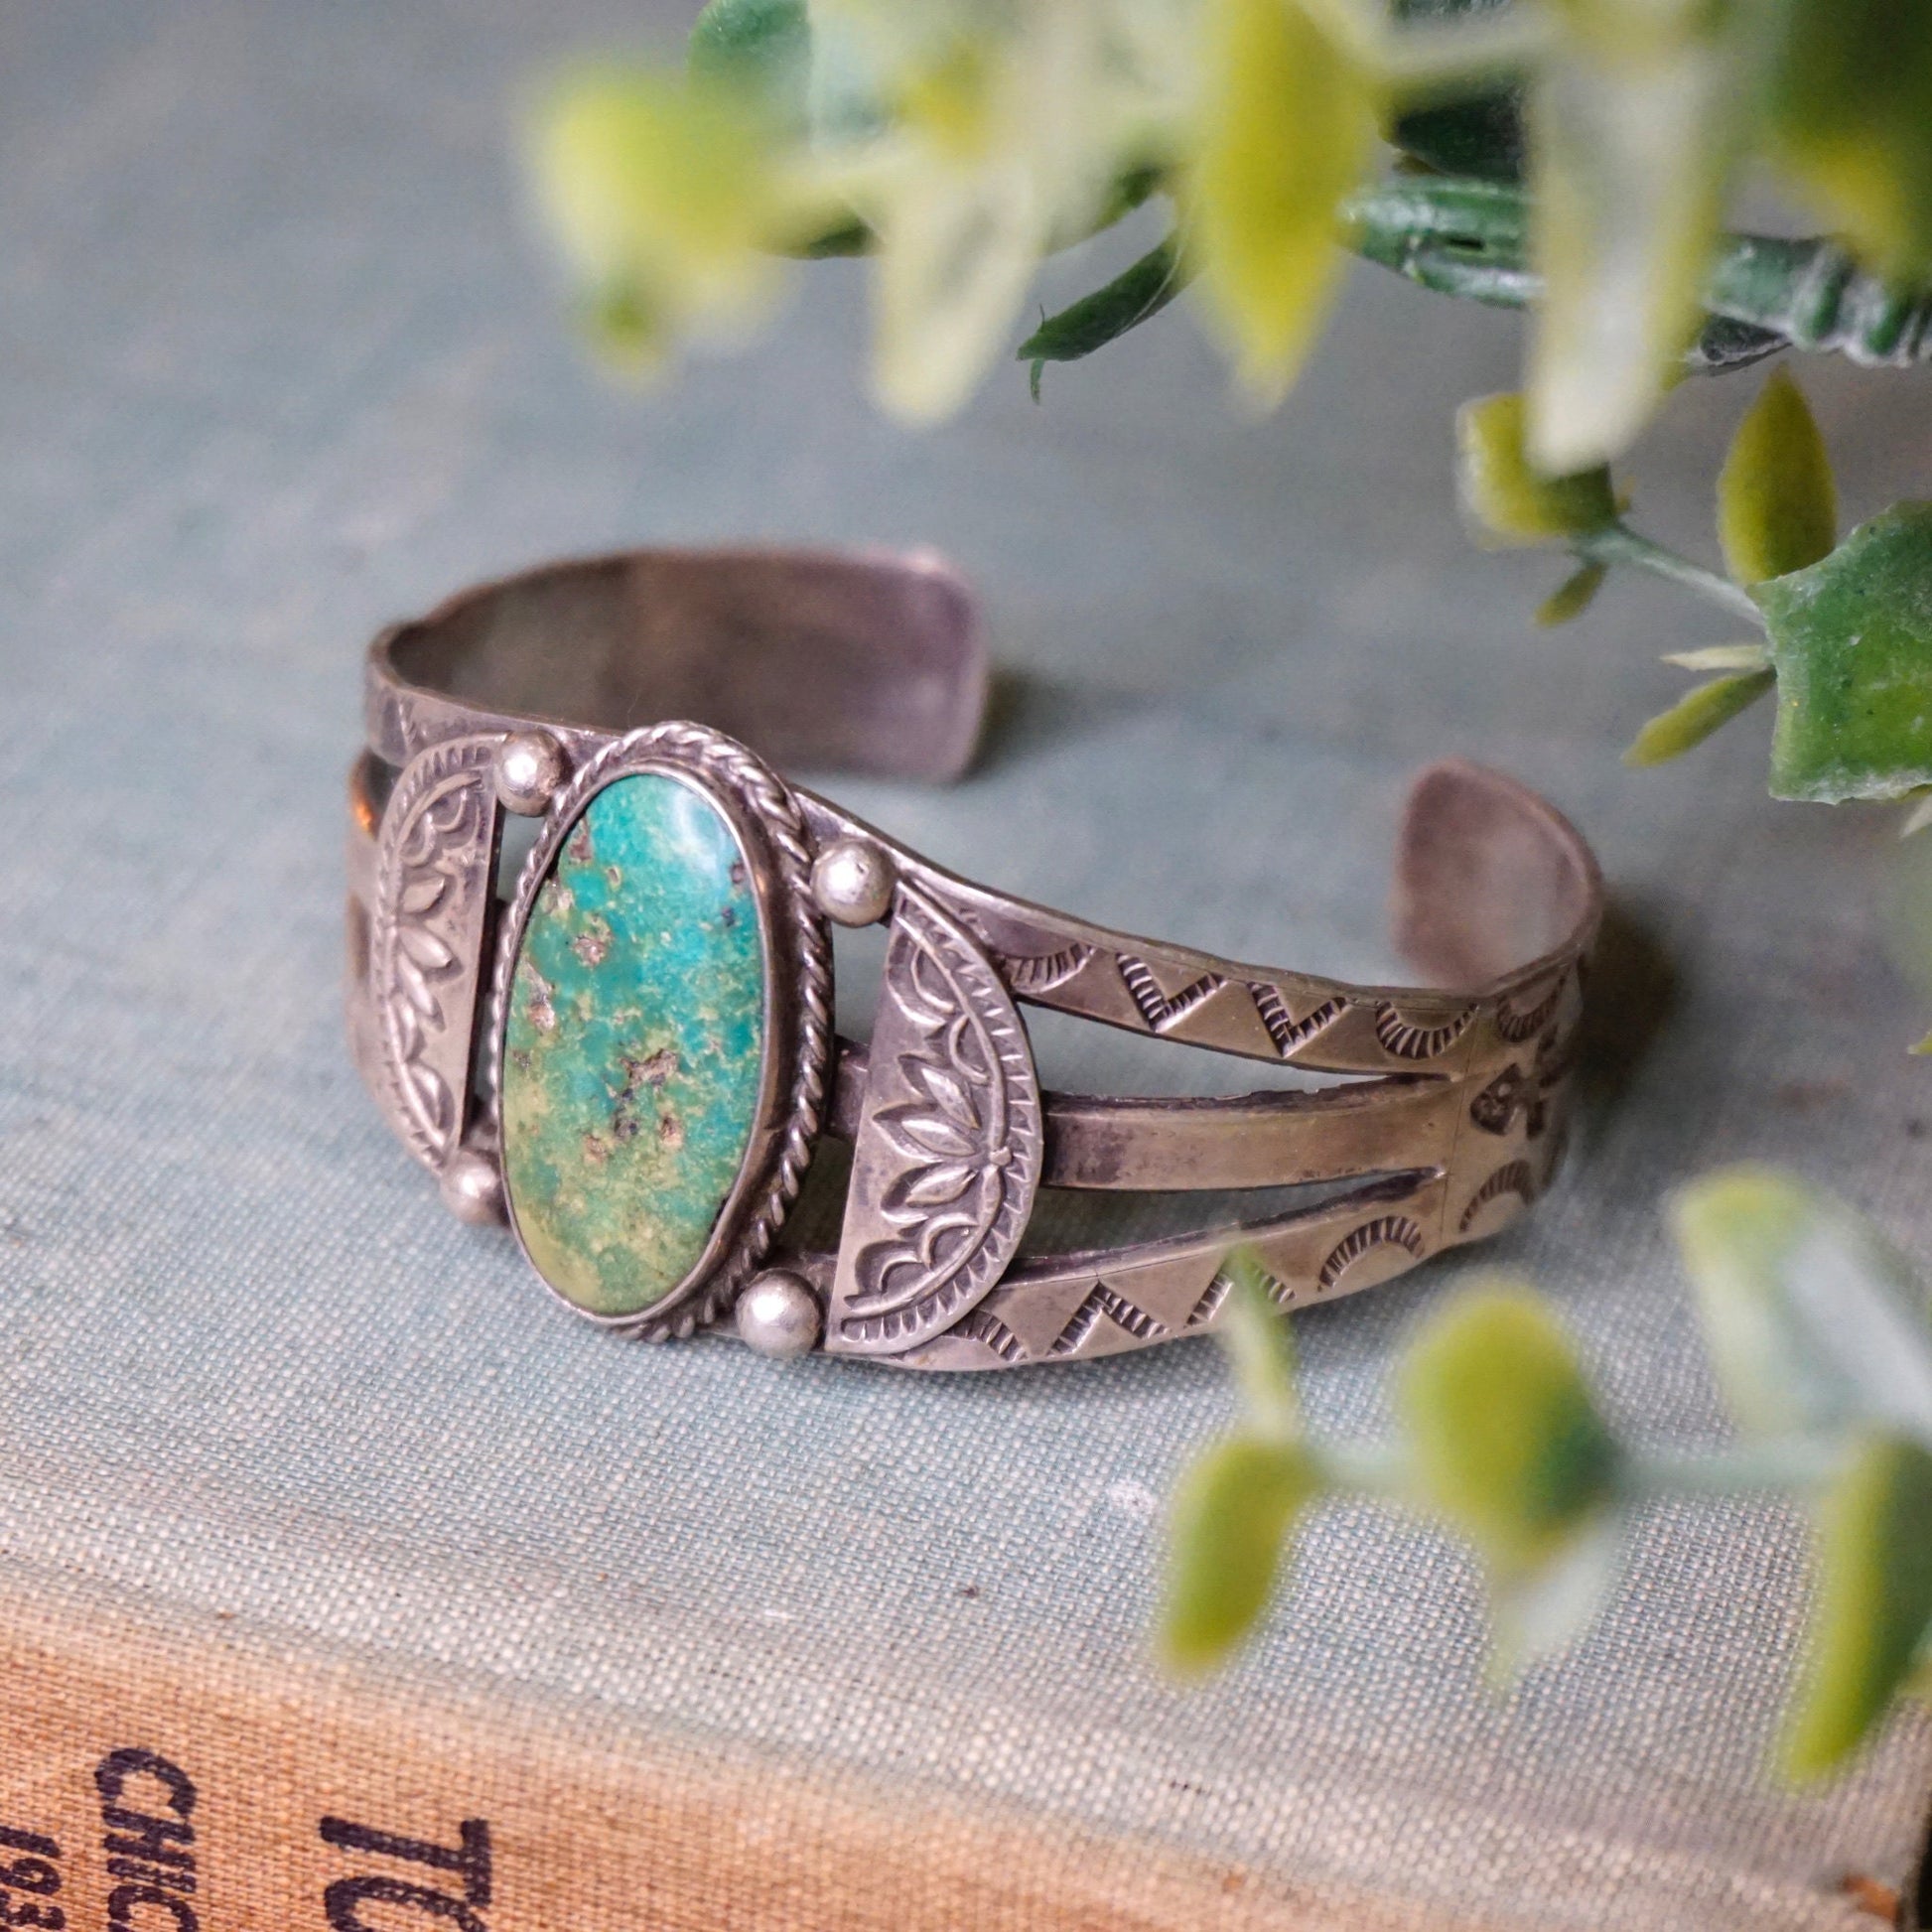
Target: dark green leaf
1508, 1445
1481, 137
1777, 504
1692, 719
1231, 1517
1873, 1601
1096, 320
1851, 639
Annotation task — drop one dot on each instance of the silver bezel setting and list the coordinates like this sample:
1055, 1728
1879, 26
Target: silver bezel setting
765, 818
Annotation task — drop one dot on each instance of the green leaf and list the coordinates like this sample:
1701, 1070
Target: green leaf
1260, 1349
1230, 1519
1135, 293
1873, 1601
1851, 639
1814, 1323
1777, 504
1850, 112
1284, 131
1573, 596
1507, 499
1692, 719
763, 49
1506, 1442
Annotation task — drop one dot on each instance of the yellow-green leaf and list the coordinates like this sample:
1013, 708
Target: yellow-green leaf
1507, 499
1284, 129
1507, 1444
1231, 1520
1573, 596
1813, 1321
1851, 114
1778, 503
662, 202
1692, 719
1873, 1601
1721, 657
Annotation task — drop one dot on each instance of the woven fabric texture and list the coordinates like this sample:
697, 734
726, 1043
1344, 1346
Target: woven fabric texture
283, 364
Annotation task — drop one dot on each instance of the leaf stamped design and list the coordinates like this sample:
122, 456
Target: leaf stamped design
947, 1155
434, 868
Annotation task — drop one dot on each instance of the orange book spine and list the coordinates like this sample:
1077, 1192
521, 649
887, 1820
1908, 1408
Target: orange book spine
190, 1777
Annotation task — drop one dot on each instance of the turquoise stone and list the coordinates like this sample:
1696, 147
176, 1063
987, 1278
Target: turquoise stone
635, 1046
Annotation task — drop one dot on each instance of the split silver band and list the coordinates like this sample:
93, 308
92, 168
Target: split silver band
524, 698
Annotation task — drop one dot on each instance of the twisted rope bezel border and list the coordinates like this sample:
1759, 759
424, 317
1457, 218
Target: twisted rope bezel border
799, 999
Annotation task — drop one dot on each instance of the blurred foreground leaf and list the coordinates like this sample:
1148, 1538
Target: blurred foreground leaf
1851, 639
1851, 116
662, 202
1813, 1321
1285, 129
1507, 1444
764, 49
1637, 124
1231, 1520
1778, 503
1873, 1601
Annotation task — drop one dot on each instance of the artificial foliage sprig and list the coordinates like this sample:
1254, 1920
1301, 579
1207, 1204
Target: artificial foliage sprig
1821, 1343
1571, 158
1845, 627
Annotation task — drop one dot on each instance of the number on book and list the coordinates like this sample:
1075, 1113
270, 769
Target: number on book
33, 1873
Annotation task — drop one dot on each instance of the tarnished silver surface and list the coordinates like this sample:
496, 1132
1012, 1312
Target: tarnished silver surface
1449, 1118
947, 1154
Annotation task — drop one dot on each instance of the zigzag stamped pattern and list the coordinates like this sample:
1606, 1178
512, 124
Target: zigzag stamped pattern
1104, 1303
1161, 1010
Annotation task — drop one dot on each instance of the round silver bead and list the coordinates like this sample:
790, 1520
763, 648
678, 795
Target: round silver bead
530, 771
472, 1188
853, 882
777, 1315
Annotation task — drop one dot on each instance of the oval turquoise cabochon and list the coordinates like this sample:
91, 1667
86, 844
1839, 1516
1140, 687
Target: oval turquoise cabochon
633, 1048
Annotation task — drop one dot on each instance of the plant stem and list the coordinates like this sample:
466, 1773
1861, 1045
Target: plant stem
1364, 1468
1791, 1462
1618, 543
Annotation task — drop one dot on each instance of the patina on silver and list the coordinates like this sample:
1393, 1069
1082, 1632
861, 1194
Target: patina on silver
529, 695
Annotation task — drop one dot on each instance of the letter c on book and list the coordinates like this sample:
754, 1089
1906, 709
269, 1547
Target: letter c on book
124, 1899
113, 1772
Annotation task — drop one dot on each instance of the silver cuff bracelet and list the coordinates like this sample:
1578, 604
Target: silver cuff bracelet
628, 1051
